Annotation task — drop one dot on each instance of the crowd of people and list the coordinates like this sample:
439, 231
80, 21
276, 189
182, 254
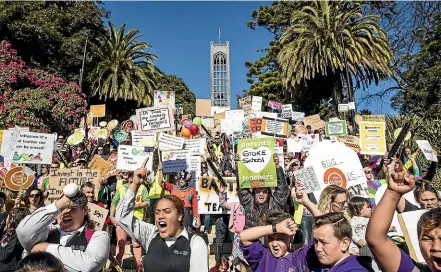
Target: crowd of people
279, 228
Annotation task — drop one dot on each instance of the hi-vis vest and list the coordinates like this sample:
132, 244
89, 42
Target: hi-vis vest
139, 212
156, 191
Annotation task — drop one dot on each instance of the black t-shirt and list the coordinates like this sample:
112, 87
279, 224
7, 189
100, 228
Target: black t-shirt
409, 207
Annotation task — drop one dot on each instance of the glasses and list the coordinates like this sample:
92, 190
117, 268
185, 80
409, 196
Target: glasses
34, 195
341, 204
368, 172
125, 174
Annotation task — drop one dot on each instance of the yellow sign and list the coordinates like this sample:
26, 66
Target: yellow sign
373, 118
373, 138
98, 110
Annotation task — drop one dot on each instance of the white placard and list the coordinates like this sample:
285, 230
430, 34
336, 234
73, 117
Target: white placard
139, 139
309, 141
256, 104
229, 126
410, 221
298, 116
351, 105
286, 111
169, 142
307, 180
196, 146
164, 98
97, 215
132, 157
235, 115
155, 119
343, 107
294, 144
427, 150
27, 147
208, 123
278, 150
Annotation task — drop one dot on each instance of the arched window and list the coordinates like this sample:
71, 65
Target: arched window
220, 78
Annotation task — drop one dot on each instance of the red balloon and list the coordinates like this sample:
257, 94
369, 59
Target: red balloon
185, 132
194, 129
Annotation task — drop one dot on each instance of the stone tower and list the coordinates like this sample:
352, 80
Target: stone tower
220, 73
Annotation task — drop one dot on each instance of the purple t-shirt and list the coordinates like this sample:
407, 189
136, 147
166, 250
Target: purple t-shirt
408, 265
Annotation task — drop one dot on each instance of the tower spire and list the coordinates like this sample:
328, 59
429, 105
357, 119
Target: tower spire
220, 36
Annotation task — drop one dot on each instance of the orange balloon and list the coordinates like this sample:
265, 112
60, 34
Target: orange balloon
185, 132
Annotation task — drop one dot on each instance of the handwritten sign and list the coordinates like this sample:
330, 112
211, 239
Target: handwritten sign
173, 166
208, 123
373, 118
148, 139
256, 103
306, 180
297, 116
169, 142
350, 141
97, 215
100, 164
373, 138
29, 147
274, 127
98, 110
208, 198
343, 107
234, 115
294, 144
196, 146
255, 124
245, 104
256, 165
336, 128
164, 98
274, 105
132, 157
155, 119
309, 141
286, 111
427, 149
314, 121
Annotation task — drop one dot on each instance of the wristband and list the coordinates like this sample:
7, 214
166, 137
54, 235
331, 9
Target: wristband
274, 228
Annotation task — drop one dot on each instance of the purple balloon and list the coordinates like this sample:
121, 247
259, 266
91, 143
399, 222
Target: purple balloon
187, 124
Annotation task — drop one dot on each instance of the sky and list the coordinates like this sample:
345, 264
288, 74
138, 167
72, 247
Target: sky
180, 35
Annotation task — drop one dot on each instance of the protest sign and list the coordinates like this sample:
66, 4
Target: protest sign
306, 180
164, 98
98, 110
350, 141
1, 138
274, 105
29, 147
256, 103
343, 107
294, 144
245, 104
278, 150
373, 138
314, 121
218, 117
14, 179
234, 115
169, 142
100, 164
173, 155
336, 128
231, 126
255, 124
408, 223
203, 107
334, 163
427, 149
132, 157
373, 118
309, 141
351, 105
256, 165
173, 166
148, 139
97, 215
216, 109
301, 130
155, 119
275, 127
297, 116
196, 146
208, 197
286, 111
208, 123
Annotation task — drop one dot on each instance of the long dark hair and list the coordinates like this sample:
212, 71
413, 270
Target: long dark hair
28, 192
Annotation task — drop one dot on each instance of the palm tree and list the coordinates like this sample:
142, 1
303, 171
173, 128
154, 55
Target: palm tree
320, 35
125, 70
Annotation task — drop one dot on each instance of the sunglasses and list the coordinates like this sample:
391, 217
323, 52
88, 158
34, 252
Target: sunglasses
368, 172
125, 174
100, 149
341, 204
34, 195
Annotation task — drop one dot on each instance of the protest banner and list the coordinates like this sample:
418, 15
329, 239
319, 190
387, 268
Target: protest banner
256, 103
98, 110
306, 180
373, 118
334, 163
14, 179
274, 105
148, 139
155, 119
309, 141
286, 112
373, 138
28, 147
255, 124
193, 163
314, 121
195, 146
275, 127
297, 116
336, 128
164, 98
169, 142
409, 225
256, 165
208, 197
427, 149
97, 215
98, 163
132, 157
353, 142
294, 145
245, 104
203, 107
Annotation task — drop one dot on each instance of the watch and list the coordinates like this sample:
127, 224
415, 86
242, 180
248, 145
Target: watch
274, 228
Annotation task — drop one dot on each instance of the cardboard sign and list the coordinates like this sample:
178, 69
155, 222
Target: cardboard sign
155, 119
294, 145
208, 198
218, 117
350, 141
427, 149
169, 142
373, 138
286, 111
309, 141
14, 179
274, 127
97, 215
132, 157
100, 164
297, 116
314, 121
274, 105
256, 103
373, 118
203, 107
408, 223
256, 165
148, 139
306, 180
255, 124
195, 146
98, 110
164, 98
336, 128
174, 166
245, 104
28, 147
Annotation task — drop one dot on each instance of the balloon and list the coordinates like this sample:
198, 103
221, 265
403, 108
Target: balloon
185, 132
187, 124
183, 121
197, 121
194, 129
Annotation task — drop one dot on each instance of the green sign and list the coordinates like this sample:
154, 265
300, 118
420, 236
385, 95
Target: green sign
256, 165
336, 128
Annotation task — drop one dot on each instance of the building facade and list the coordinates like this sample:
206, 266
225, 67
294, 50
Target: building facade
220, 74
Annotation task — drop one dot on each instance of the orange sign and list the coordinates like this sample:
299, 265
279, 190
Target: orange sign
255, 124
98, 110
98, 163
334, 176
14, 180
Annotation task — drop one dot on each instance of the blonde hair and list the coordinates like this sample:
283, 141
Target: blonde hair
328, 196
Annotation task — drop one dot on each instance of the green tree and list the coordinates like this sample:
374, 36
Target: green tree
183, 95
125, 70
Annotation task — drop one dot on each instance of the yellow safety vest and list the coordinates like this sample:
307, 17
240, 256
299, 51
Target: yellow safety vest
139, 212
156, 191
